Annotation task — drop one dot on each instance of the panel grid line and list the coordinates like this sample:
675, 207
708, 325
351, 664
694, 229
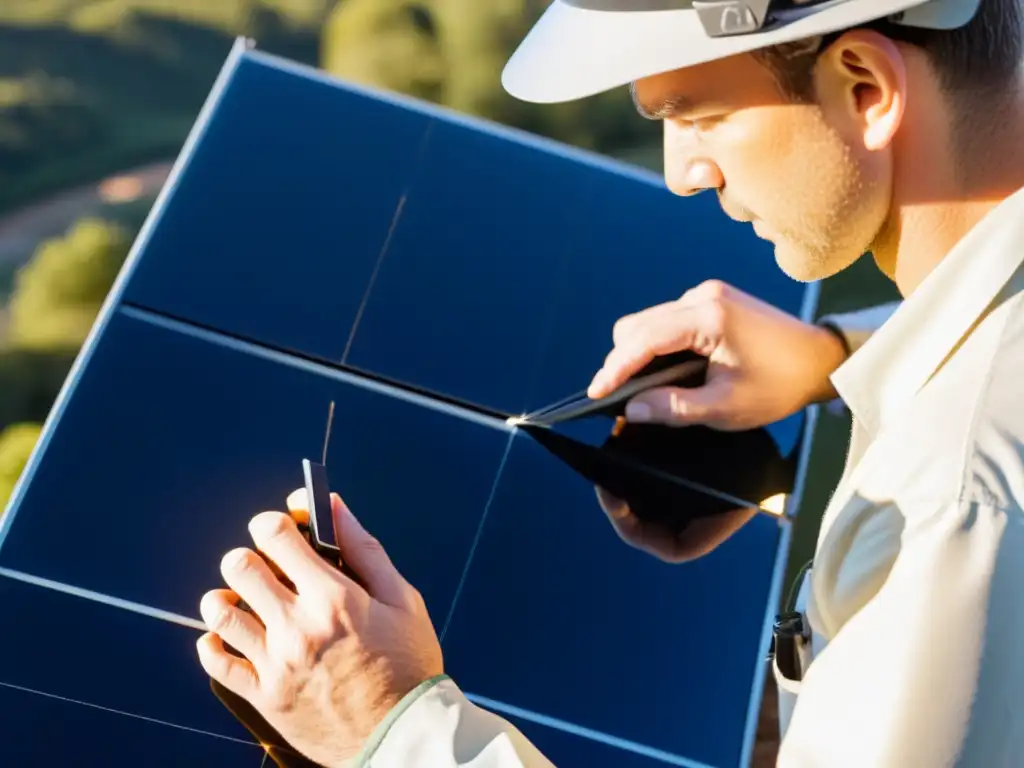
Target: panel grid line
113, 711
479, 534
99, 597
424, 142
172, 618
434, 401
587, 733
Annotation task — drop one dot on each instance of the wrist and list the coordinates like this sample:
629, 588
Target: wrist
835, 350
381, 731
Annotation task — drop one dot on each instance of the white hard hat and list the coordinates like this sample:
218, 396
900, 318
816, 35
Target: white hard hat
582, 47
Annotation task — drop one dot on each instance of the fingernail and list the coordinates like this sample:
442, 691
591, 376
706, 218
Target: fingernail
638, 412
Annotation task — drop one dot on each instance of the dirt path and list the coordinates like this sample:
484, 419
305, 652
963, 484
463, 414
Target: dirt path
22, 230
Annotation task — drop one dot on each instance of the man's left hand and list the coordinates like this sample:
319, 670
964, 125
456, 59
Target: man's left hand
325, 662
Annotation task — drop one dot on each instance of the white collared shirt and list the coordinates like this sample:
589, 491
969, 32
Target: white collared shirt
916, 597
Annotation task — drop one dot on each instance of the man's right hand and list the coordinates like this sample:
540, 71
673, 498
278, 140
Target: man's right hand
763, 364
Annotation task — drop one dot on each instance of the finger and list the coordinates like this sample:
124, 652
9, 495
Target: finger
251, 578
626, 360
626, 524
680, 406
625, 326
239, 629
298, 506
366, 557
696, 328
613, 506
277, 536
236, 674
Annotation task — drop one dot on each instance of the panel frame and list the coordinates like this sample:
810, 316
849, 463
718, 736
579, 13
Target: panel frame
243, 48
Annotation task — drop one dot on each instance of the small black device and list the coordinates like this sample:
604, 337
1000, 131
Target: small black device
319, 530
684, 369
788, 633
319, 524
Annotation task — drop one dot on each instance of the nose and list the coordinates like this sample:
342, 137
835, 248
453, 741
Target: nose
695, 176
688, 169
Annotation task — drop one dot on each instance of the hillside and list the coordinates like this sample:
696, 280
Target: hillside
91, 87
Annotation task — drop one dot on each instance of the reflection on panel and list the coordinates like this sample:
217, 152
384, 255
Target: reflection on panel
41, 731
666, 655
69, 647
172, 443
276, 748
672, 476
274, 229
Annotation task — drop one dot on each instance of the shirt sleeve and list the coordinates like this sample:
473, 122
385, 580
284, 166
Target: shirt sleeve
436, 726
929, 671
856, 327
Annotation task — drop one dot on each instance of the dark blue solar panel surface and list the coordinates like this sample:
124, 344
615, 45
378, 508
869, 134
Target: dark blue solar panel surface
198, 436
323, 244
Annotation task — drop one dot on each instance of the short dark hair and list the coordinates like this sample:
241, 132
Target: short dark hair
975, 64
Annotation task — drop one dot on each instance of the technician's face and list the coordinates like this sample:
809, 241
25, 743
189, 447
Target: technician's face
804, 181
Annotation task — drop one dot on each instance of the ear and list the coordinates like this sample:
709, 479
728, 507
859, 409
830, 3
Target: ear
862, 82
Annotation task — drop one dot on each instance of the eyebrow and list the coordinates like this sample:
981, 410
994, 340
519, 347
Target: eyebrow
664, 109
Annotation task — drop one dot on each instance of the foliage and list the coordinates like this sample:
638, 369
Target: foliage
30, 380
58, 293
452, 52
93, 87
391, 44
16, 445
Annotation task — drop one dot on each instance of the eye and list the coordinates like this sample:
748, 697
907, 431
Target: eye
706, 123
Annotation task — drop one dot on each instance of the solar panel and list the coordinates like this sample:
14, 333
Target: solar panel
429, 275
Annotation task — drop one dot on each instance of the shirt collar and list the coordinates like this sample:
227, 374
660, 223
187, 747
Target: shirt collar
900, 357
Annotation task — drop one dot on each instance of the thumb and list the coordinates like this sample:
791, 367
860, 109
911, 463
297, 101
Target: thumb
679, 406
363, 553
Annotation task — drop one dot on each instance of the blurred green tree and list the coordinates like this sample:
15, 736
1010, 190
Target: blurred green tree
16, 445
391, 44
29, 382
58, 293
452, 52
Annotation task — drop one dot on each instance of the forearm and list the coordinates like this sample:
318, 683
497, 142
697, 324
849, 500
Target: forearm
436, 726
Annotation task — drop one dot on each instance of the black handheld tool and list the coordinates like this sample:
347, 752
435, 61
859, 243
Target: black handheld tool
319, 530
319, 524
684, 369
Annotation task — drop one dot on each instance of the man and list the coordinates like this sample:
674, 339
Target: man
835, 128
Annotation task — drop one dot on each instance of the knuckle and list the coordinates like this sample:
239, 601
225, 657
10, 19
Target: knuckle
216, 665
414, 598
215, 612
623, 326
716, 317
239, 561
348, 606
269, 526
225, 621
300, 648
370, 545
277, 690
715, 290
